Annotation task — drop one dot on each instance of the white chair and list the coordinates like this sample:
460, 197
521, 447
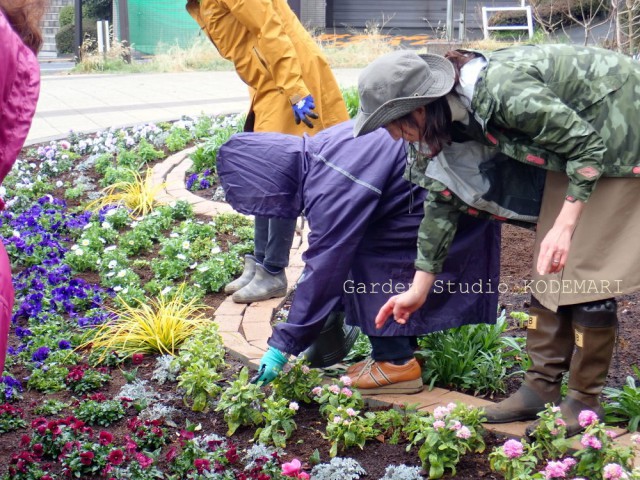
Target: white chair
525, 8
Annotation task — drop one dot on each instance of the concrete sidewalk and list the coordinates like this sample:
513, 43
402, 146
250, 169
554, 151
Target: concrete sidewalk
88, 103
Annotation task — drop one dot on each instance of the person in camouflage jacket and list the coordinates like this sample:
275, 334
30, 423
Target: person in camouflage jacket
559, 108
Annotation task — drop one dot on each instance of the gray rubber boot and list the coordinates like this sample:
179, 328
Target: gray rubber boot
595, 325
550, 346
244, 279
263, 286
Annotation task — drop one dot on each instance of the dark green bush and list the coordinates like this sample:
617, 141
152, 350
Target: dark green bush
64, 37
66, 16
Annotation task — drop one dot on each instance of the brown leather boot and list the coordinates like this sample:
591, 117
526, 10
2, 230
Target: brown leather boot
595, 325
550, 346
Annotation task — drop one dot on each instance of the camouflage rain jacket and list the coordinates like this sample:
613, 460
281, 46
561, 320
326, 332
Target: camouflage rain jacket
554, 107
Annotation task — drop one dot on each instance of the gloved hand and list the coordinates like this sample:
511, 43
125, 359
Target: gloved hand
302, 111
270, 365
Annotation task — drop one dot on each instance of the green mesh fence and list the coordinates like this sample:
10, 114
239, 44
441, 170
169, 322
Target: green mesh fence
155, 25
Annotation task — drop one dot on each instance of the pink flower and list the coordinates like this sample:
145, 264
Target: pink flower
346, 380
337, 419
441, 412
560, 422
86, 458
305, 369
294, 406
317, 391
346, 392
555, 470
335, 389
464, 432
513, 448
351, 412
291, 469
143, 460
304, 476
456, 426
438, 424
201, 465
587, 417
589, 440
613, 471
610, 434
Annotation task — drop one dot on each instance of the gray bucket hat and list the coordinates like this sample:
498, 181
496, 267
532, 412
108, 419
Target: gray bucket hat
396, 84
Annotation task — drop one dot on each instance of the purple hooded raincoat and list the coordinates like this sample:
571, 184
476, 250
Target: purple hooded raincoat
364, 220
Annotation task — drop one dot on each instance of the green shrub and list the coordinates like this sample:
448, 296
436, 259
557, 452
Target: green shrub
66, 16
64, 37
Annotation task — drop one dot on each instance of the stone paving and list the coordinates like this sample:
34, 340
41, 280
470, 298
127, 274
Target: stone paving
246, 328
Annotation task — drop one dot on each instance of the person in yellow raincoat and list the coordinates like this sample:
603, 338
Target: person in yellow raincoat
290, 84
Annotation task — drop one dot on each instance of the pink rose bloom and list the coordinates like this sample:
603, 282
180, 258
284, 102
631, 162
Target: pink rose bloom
346, 392
613, 471
464, 432
555, 470
346, 380
587, 417
513, 448
438, 424
292, 468
589, 440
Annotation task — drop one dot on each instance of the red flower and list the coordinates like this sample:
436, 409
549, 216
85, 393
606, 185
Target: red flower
137, 358
86, 458
46, 477
105, 438
25, 440
38, 449
201, 465
231, 454
116, 457
171, 454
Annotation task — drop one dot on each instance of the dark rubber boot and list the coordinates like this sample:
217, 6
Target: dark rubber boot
263, 286
244, 279
550, 346
595, 325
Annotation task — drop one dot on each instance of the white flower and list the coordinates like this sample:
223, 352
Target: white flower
165, 290
106, 225
193, 265
215, 250
59, 183
122, 273
85, 242
181, 256
16, 234
79, 252
117, 288
174, 235
294, 406
112, 264
110, 247
111, 212
186, 244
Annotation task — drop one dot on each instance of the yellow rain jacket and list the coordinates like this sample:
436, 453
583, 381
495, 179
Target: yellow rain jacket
276, 57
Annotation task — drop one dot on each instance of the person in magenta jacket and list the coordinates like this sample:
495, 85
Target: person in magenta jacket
21, 39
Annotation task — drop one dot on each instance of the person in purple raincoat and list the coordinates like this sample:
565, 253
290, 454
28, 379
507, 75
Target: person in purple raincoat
364, 219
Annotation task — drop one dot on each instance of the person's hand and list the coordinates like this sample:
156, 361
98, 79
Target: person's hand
554, 248
303, 111
401, 306
270, 365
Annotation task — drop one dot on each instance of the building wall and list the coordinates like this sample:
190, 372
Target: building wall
313, 13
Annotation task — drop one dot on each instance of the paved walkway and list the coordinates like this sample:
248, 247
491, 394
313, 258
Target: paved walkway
88, 103
94, 102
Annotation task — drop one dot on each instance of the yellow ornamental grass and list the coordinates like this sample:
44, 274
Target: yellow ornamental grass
139, 195
156, 326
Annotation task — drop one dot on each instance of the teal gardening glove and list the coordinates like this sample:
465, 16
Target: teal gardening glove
303, 111
270, 365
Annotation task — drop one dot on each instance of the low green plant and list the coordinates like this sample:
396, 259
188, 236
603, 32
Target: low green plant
100, 413
137, 193
624, 403
74, 193
337, 395
389, 424
361, 349
240, 403
476, 358
515, 460
351, 100
50, 381
11, 418
50, 407
296, 381
147, 153
278, 421
346, 428
550, 434
178, 139
446, 435
81, 379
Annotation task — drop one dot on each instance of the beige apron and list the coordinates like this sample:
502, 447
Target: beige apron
604, 259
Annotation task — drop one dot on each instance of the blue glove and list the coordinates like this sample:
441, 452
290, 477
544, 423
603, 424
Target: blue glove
302, 111
270, 365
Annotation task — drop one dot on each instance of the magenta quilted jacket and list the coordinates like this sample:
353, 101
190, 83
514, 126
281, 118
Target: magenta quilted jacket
19, 89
